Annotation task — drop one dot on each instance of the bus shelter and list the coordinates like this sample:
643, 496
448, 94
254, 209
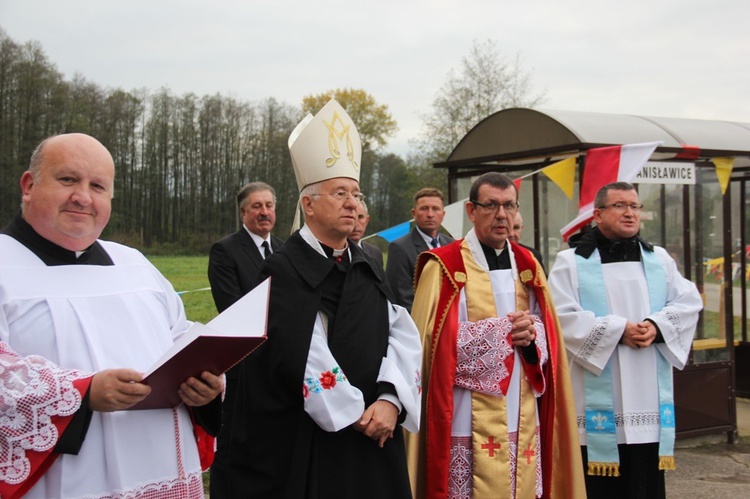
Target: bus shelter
699, 219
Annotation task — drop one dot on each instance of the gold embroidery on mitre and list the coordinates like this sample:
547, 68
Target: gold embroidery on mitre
334, 136
459, 276
526, 276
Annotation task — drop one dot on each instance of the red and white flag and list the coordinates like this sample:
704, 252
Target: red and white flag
605, 165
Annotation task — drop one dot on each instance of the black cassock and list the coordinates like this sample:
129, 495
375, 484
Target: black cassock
276, 449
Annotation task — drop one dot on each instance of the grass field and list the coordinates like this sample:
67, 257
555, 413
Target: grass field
188, 273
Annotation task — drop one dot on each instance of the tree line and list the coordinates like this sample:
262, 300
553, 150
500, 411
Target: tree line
180, 159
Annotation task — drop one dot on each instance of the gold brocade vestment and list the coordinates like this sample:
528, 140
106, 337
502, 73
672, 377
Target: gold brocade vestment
440, 279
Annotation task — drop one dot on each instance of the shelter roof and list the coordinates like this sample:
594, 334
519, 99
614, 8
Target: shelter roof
520, 136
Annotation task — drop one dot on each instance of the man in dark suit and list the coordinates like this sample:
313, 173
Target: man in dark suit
234, 261
515, 236
233, 267
428, 213
363, 218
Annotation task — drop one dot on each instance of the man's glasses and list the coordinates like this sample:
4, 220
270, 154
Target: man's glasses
623, 207
492, 207
342, 195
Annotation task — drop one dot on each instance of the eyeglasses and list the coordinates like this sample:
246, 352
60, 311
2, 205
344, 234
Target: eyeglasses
341, 195
492, 207
623, 207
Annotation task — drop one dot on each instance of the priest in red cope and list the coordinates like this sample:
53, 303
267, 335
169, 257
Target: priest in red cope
497, 413
80, 320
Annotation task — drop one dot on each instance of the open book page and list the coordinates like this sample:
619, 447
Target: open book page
214, 347
248, 316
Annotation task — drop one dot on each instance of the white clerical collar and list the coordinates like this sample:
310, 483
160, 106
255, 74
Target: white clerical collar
477, 253
338, 252
310, 239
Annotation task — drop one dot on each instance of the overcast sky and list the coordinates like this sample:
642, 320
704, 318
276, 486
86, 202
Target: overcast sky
666, 58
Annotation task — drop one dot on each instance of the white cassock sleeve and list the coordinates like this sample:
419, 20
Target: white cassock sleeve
402, 364
330, 400
679, 317
334, 403
589, 340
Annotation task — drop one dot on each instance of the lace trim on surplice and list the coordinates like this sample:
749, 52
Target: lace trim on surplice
541, 348
592, 340
634, 421
189, 487
32, 392
460, 474
483, 348
673, 317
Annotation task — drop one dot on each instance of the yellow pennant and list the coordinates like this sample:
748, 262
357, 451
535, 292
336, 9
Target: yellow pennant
723, 171
563, 174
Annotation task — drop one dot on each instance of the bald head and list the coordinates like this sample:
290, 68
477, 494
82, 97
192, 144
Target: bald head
67, 190
515, 234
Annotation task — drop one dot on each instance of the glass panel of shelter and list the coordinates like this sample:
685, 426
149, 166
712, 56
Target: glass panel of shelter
710, 344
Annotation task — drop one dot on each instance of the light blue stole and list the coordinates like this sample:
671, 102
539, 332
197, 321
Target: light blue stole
601, 432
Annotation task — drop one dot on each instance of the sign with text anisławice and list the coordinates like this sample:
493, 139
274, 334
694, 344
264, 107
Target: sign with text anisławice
655, 172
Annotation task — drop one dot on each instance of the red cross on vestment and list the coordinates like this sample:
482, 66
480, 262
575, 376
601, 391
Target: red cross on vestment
529, 454
491, 446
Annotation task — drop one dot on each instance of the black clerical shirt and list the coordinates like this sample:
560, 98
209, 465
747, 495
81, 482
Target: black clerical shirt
624, 250
50, 253
496, 261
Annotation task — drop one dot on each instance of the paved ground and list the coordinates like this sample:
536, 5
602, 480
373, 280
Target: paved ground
708, 467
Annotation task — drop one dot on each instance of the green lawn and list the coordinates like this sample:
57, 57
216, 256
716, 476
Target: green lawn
188, 274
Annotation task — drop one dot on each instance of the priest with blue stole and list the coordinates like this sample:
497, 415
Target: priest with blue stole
628, 317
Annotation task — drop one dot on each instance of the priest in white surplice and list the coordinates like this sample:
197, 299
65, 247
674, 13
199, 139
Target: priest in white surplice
628, 317
80, 320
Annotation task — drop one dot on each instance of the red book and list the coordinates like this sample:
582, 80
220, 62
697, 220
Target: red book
214, 347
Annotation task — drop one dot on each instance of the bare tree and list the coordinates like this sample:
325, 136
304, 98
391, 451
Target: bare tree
485, 84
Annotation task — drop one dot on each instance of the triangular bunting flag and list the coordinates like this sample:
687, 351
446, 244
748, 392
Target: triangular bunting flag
563, 174
605, 165
724, 168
